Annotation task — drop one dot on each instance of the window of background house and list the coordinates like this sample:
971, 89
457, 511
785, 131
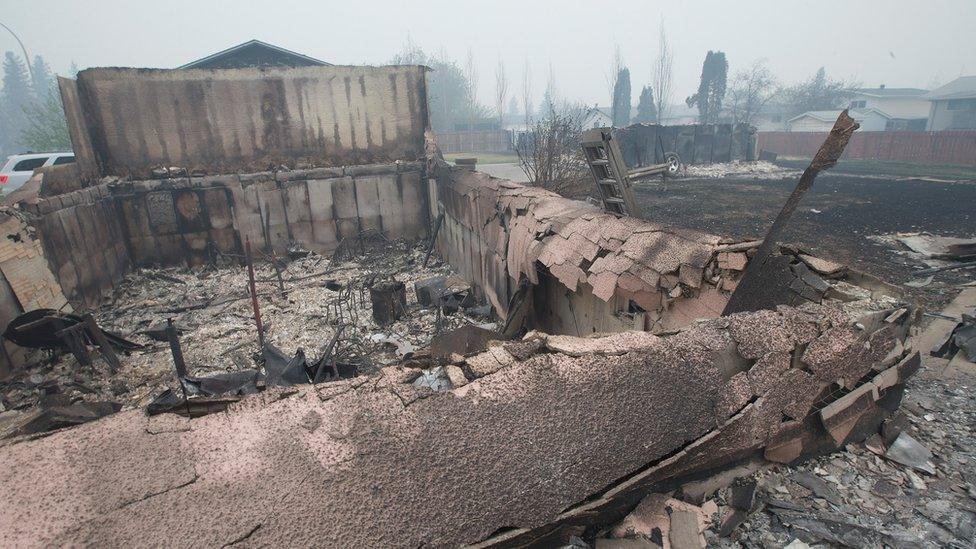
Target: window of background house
30, 164
961, 104
858, 104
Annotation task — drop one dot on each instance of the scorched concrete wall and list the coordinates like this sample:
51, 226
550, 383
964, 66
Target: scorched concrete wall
26, 282
590, 271
193, 220
83, 242
245, 120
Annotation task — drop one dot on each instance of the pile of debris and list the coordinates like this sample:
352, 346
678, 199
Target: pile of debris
319, 323
939, 254
738, 169
911, 485
914, 485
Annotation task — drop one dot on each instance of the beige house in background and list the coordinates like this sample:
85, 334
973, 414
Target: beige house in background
906, 108
953, 106
870, 119
597, 117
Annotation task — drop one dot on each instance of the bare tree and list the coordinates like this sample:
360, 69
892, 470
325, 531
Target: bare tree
449, 100
527, 92
550, 97
550, 155
616, 65
501, 91
819, 93
751, 89
471, 74
662, 76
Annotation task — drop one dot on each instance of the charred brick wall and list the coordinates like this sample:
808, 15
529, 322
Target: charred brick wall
128, 122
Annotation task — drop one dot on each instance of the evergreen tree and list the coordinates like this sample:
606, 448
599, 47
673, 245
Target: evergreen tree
820, 93
47, 129
41, 78
620, 110
449, 93
547, 109
14, 98
513, 108
530, 112
646, 110
711, 89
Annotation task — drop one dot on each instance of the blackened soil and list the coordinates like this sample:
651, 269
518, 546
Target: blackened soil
851, 209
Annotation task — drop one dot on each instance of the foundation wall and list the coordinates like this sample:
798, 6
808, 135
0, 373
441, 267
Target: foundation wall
76, 247
192, 220
590, 271
83, 241
91, 236
26, 282
77, 129
130, 122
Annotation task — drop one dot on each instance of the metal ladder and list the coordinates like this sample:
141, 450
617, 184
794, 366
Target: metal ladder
607, 165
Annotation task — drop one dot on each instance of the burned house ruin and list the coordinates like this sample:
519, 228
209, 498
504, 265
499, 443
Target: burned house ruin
611, 372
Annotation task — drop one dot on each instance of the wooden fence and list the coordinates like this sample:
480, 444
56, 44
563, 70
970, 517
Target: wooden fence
475, 141
949, 147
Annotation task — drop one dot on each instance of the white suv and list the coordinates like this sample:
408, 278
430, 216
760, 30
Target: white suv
20, 167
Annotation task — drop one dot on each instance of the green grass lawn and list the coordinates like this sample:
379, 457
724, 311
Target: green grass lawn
485, 158
888, 167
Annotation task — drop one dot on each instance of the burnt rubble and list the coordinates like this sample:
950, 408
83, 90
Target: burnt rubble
534, 439
379, 349
212, 315
657, 409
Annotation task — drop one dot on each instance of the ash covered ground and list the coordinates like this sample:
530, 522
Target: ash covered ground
213, 313
836, 220
856, 497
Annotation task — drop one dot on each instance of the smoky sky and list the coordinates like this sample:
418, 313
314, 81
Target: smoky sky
899, 43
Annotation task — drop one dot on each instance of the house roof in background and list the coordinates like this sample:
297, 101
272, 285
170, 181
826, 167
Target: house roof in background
963, 87
831, 116
890, 92
252, 47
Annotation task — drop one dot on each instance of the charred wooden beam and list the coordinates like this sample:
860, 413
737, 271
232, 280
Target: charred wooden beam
763, 273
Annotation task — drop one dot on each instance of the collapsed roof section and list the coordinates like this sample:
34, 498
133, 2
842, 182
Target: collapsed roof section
530, 439
594, 272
